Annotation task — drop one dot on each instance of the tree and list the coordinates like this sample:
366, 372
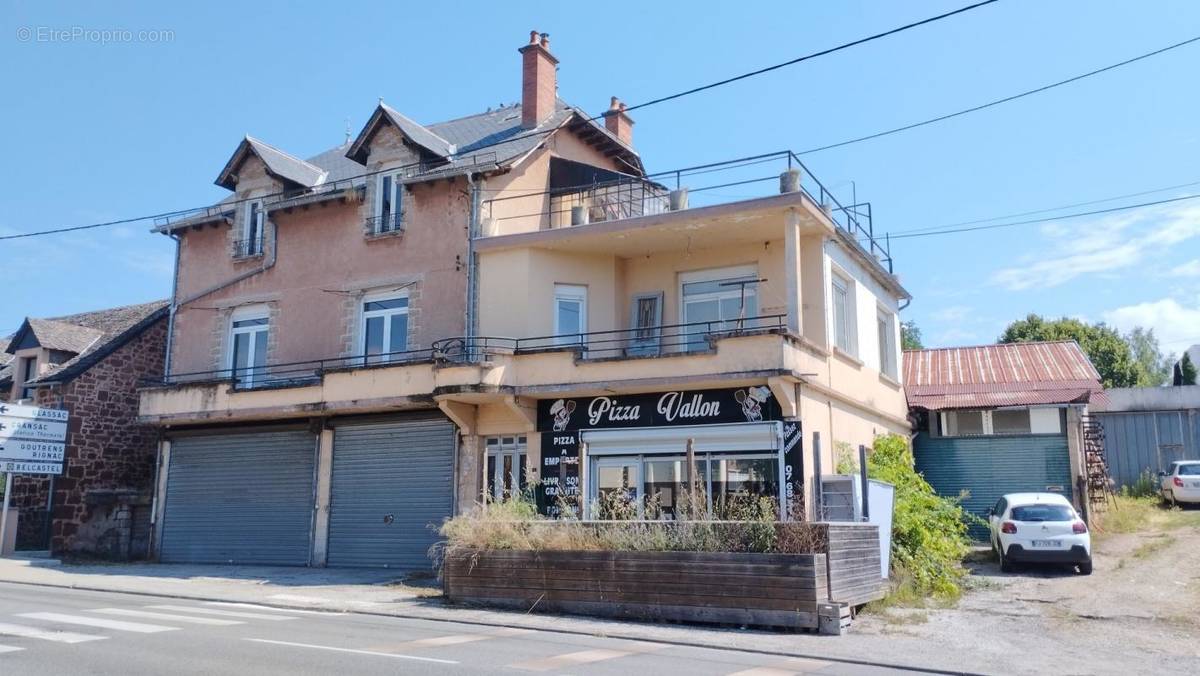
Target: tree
1110, 354
1186, 372
1151, 367
910, 336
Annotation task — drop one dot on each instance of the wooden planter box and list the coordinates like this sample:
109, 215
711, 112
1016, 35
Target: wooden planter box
777, 590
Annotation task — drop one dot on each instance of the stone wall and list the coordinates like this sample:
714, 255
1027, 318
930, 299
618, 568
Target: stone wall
108, 481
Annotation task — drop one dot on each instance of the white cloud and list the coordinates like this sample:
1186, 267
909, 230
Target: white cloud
1103, 246
1188, 269
1175, 324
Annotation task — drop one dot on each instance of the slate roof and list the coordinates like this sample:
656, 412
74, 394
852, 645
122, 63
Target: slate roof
108, 330
468, 139
278, 163
6, 365
990, 376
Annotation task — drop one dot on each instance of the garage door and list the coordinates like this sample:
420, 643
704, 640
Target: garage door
240, 498
989, 467
391, 482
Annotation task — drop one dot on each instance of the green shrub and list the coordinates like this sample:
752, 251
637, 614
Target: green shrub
929, 532
1146, 486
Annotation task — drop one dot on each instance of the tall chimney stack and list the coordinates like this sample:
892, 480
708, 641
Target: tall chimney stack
539, 80
618, 122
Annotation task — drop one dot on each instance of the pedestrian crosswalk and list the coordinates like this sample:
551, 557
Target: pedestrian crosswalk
152, 619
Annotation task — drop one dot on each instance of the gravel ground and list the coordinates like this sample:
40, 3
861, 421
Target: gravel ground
1138, 612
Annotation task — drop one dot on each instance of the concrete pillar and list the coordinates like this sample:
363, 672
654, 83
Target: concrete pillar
324, 481
159, 506
470, 472
813, 287
791, 265
1075, 451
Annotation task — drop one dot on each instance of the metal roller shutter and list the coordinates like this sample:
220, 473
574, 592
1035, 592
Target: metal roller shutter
990, 467
240, 498
392, 486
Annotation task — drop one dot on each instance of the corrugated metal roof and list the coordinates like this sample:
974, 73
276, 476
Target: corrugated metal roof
1011, 374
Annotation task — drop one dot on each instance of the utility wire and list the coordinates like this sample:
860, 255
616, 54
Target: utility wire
1042, 220
997, 102
510, 139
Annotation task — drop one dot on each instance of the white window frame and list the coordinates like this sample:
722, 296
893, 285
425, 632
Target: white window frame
252, 244
850, 319
513, 446
365, 315
714, 275
257, 312
887, 342
570, 293
397, 201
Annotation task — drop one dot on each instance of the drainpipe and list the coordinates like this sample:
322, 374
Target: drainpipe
267, 265
171, 311
472, 272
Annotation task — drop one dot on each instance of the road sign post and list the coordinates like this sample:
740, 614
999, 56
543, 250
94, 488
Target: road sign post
32, 441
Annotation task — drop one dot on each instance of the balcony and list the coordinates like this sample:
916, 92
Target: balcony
757, 182
472, 370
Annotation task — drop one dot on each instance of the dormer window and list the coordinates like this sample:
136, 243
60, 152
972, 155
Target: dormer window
251, 243
389, 206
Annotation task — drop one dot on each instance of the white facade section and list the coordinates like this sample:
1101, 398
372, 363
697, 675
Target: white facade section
869, 297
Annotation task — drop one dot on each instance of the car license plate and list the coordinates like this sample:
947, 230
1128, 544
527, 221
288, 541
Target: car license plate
1047, 543
1196, 484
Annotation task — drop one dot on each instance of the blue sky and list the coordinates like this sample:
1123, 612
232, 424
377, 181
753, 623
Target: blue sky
102, 131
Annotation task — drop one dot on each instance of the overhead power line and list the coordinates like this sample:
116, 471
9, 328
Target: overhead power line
645, 104
1014, 97
994, 226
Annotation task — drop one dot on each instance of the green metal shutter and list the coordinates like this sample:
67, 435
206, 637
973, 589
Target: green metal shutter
240, 498
392, 487
990, 467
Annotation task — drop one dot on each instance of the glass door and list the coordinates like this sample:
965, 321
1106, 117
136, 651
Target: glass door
616, 492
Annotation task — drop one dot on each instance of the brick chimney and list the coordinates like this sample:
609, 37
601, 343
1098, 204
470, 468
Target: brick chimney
539, 80
617, 121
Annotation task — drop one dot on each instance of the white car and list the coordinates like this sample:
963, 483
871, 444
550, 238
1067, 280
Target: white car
1181, 483
1039, 528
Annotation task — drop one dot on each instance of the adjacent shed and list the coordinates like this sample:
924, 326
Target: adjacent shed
998, 419
1148, 428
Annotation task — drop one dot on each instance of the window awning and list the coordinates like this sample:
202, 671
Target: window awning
762, 436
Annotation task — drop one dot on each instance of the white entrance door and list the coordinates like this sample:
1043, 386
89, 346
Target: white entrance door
617, 489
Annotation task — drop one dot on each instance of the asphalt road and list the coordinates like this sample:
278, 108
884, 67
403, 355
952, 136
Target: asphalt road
64, 631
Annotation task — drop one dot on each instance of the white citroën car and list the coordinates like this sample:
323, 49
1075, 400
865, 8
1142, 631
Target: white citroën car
1039, 528
1181, 483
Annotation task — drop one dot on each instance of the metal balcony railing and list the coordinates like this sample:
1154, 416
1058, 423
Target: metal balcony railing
647, 341
244, 248
679, 189
387, 223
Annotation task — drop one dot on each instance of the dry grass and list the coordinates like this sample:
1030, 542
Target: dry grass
1141, 514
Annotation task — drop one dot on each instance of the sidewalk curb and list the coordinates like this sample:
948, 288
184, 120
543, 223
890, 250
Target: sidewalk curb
483, 623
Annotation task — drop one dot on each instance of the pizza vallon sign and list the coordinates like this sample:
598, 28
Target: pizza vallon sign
32, 439
660, 409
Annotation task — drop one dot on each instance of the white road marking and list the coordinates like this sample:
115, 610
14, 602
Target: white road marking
255, 606
457, 639
211, 621
118, 625
47, 634
8, 649
585, 657
788, 667
350, 650
223, 613
298, 598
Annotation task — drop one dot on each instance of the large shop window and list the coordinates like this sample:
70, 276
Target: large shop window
642, 474
505, 467
248, 346
716, 299
384, 328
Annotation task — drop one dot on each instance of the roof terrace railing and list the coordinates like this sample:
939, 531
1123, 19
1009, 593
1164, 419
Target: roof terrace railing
646, 341
633, 196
